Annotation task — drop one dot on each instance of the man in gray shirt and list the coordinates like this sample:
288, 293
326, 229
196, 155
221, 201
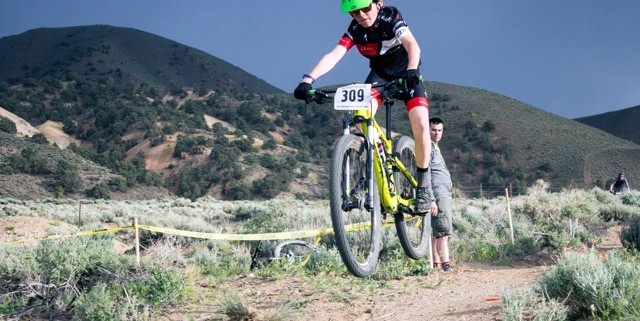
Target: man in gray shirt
441, 217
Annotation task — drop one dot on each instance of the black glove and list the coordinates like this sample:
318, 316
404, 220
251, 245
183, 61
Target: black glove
412, 78
302, 91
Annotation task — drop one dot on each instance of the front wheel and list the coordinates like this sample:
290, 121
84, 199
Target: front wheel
356, 222
414, 232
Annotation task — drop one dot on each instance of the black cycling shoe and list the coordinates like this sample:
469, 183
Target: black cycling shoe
423, 200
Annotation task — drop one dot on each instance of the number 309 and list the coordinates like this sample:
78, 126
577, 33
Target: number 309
353, 95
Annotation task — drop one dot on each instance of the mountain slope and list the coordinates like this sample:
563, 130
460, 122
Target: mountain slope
524, 140
622, 123
123, 54
200, 126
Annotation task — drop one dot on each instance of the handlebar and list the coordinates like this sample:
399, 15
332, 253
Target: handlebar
392, 89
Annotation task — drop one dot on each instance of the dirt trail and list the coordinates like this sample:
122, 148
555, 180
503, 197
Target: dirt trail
471, 292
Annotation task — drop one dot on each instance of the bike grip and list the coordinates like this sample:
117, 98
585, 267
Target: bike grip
401, 80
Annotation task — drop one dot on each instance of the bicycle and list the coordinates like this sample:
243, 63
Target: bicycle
290, 251
294, 251
369, 178
617, 191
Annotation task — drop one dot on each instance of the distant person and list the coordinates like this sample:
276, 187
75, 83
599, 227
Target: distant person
620, 186
441, 216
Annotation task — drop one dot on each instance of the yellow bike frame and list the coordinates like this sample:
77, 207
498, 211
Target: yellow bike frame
389, 199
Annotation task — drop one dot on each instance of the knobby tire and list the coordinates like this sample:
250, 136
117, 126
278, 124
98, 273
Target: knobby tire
414, 232
358, 248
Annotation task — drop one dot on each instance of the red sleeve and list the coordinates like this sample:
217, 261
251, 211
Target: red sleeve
346, 42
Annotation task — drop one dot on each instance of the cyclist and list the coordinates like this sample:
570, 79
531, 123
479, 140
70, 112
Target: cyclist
620, 186
380, 34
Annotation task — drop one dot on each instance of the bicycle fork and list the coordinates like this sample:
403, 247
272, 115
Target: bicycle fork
386, 187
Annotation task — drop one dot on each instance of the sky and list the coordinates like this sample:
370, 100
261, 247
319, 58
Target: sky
572, 58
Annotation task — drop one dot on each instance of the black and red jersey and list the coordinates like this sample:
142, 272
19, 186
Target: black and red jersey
380, 43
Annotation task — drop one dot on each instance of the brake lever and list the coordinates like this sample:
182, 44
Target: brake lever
321, 99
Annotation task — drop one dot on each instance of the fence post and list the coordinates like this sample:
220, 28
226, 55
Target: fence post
137, 237
481, 199
79, 213
506, 193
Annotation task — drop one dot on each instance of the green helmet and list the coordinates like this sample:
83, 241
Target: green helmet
351, 5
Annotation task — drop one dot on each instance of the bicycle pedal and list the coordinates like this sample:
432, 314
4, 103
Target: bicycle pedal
406, 209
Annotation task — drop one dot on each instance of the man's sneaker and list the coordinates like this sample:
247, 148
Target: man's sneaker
423, 200
446, 267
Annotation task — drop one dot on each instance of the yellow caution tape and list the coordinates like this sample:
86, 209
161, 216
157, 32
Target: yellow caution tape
318, 233
241, 237
259, 236
82, 233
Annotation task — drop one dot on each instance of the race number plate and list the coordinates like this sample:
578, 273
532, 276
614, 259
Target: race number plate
353, 97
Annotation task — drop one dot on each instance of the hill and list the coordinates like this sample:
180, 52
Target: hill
622, 123
178, 118
31, 169
125, 55
495, 141
518, 138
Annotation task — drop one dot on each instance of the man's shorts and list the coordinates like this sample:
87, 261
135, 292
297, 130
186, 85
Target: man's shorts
442, 225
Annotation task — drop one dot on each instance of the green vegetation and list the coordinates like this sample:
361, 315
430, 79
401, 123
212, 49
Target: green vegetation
82, 279
109, 110
86, 279
7, 126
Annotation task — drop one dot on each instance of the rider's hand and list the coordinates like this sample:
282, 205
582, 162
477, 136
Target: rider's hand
412, 78
302, 91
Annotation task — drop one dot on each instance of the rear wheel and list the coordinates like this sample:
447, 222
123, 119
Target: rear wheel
414, 231
356, 224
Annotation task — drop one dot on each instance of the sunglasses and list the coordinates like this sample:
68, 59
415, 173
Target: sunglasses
365, 10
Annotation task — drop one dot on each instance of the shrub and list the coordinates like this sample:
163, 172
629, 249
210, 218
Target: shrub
630, 234
523, 246
67, 177
54, 272
219, 259
325, 260
100, 190
84, 277
97, 304
631, 198
160, 286
591, 286
528, 306
7, 126
616, 212
234, 309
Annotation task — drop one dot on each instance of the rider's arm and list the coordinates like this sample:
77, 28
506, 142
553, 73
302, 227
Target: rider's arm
413, 49
326, 63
